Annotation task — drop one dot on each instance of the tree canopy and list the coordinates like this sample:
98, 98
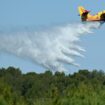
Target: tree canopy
81, 88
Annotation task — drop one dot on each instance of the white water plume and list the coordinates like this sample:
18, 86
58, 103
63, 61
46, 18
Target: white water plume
50, 48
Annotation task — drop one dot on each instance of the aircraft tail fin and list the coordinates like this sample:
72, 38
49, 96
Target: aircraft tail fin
81, 10
83, 13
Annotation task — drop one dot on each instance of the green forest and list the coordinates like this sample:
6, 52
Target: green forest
84, 87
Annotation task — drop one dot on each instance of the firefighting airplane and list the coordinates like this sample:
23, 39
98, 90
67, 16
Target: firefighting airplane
85, 16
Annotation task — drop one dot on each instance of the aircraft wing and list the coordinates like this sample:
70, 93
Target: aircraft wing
100, 13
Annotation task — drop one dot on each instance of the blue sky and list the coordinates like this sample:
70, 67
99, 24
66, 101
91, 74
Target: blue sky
42, 13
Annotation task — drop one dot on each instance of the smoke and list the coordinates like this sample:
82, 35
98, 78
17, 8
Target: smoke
52, 48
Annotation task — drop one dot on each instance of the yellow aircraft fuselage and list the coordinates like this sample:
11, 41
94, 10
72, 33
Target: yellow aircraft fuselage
85, 16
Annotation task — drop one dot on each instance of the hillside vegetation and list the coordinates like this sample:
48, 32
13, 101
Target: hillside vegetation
82, 88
